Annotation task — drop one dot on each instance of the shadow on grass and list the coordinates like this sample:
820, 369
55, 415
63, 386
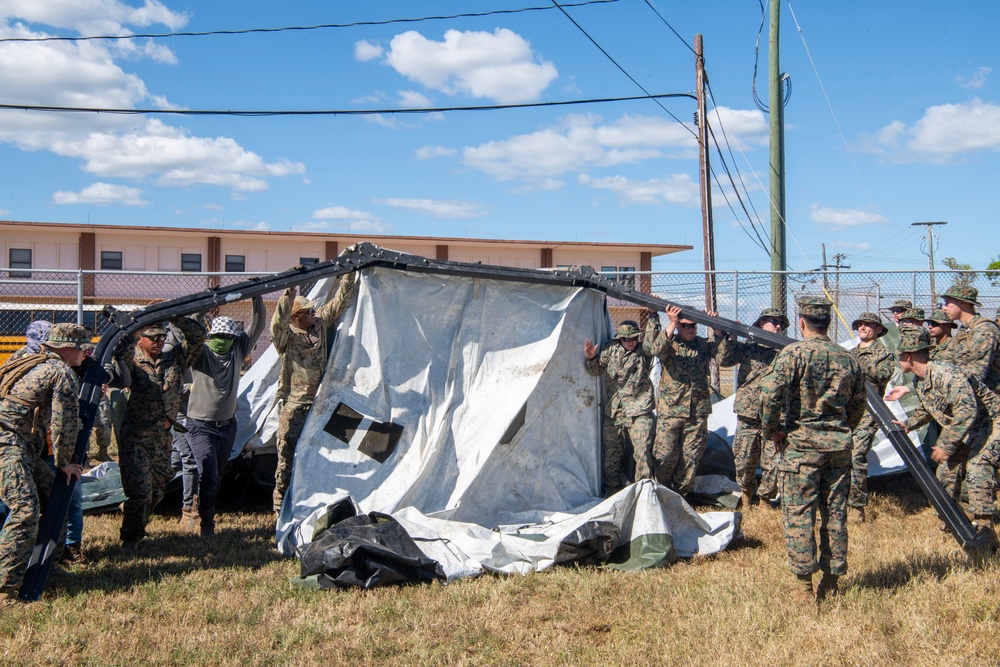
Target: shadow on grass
902, 491
897, 574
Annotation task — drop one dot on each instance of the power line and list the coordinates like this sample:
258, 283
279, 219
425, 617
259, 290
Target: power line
615, 62
332, 112
666, 23
324, 26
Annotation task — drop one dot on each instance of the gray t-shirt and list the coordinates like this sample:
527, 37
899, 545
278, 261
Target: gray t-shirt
216, 383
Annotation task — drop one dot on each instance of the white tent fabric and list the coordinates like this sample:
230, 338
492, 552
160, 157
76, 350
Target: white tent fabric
471, 400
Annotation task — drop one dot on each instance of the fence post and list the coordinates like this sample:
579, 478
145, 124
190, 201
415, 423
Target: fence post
736, 316
79, 297
913, 287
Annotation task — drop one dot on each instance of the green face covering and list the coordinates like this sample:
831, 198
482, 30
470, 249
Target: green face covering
220, 345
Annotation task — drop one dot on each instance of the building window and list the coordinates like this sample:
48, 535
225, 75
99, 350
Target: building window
626, 276
111, 260
190, 261
20, 258
236, 263
308, 260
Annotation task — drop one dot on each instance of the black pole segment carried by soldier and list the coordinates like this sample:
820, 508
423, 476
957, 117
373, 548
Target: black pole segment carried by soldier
366, 255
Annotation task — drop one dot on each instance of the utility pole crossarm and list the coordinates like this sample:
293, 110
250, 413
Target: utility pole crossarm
930, 252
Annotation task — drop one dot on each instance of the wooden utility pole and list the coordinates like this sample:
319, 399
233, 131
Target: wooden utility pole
706, 185
838, 258
708, 232
930, 253
777, 110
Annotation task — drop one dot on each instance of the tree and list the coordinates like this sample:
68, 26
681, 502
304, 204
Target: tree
993, 271
965, 276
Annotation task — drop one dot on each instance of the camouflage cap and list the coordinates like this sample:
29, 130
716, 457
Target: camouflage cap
870, 318
628, 329
67, 335
901, 304
301, 303
913, 339
938, 316
768, 313
154, 330
913, 314
963, 293
813, 305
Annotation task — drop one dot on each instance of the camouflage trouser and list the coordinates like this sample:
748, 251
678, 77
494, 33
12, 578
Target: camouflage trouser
814, 482
979, 479
144, 458
677, 451
24, 484
863, 437
291, 419
749, 451
103, 425
640, 431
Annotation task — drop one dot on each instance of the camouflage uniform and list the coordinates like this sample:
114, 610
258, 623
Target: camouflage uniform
976, 346
303, 361
43, 401
969, 418
940, 350
683, 404
878, 364
821, 389
749, 448
628, 410
144, 450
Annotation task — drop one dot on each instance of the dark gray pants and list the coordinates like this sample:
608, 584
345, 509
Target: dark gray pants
211, 445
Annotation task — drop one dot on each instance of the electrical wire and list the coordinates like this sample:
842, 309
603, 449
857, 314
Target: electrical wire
758, 242
332, 112
294, 28
829, 104
765, 246
623, 71
666, 23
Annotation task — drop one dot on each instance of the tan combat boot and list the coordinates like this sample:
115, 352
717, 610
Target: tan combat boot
987, 526
856, 514
827, 586
803, 591
9, 598
745, 500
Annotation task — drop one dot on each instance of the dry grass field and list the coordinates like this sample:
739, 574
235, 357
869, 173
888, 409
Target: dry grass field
911, 598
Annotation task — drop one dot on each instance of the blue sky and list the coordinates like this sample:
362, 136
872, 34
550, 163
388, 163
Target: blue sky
914, 134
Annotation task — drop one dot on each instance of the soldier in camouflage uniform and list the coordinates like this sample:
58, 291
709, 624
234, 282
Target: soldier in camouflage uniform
749, 448
299, 331
898, 308
976, 347
940, 327
44, 400
913, 317
811, 402
969, 417
684, 402
628, 411
878, 365
144, 450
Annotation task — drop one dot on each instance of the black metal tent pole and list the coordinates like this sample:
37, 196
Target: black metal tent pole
366, 255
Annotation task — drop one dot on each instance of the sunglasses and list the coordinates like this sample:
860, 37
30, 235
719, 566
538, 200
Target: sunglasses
772, 320
158, 338
687, 325
629, 340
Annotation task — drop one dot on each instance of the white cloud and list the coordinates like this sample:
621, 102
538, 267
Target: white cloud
857, 247
4, 211
674, 189
448, 210
365, 51
580, 142
341, 213
411, 99
343, 219
748, 126
101, 194
430, 152
976, 81
846, 218
498, 65
211, 207
944, 133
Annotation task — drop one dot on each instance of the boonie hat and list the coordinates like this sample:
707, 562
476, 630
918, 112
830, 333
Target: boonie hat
913, 314
628, 329
938, 316
772, 312
963, 293
67, 335
870, 318
154, 330
914, 339
301, 303
901, 304
814, 305
223, 326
